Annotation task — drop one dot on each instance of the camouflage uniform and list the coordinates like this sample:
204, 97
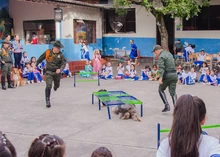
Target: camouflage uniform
54, 61
5, 56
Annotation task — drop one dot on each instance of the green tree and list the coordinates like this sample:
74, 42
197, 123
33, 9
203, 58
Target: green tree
183, 9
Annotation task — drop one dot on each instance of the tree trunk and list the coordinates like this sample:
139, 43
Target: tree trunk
163, 32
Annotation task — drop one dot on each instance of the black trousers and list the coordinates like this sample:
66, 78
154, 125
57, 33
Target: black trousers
17, 57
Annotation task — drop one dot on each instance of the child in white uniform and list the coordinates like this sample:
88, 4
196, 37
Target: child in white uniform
203, 71
132, 74
186, 136
120, 70
190, 78
109, 71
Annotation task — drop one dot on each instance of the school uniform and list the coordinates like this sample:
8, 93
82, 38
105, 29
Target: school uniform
132, 75
218, 78
186, 53
41, 66
27, 74
207, 146
24, 59
110, 71
66, 71
145, 74
85, 53
190, 78
203, 74
121, 71
38, 76
181, 75
211, 79
200, 61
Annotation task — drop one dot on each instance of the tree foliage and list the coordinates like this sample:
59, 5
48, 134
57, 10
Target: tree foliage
175, 8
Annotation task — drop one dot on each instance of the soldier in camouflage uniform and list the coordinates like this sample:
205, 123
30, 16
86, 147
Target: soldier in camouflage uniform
168, 75
6, 64
55, 63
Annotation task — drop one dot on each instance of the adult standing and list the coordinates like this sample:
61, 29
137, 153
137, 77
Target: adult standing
6, 64
55, 63
168, 75
17, 50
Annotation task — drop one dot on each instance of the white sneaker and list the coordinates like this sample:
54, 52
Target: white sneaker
141, 78
42, 81
67, 76
28, 82
32, 81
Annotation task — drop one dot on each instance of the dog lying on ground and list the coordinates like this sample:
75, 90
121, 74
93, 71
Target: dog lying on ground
17, 80
126, 111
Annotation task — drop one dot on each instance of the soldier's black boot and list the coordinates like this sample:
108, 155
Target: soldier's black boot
174, 98
3, 82
47, 95
9, 82
164, 99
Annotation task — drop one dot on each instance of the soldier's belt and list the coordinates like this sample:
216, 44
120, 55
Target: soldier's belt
8, 62
170, 71
51, 69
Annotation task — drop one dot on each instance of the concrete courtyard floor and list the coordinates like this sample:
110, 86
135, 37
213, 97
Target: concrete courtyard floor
23, 117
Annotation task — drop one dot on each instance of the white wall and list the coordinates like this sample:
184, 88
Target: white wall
24, 11
145, 25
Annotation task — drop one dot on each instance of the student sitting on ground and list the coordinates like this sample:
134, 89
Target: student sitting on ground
154, 74
47, 146
41, 67
210, 78
66, 71
24, 59
181, 74
186, 138
103, 71
101, 152
203, 70
87, 70
37, 74
28, 73
132, 74
190, 78
6, 147
128, 68
120, 70
109, 71
145, 73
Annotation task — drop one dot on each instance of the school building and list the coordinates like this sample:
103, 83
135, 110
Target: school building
97, 22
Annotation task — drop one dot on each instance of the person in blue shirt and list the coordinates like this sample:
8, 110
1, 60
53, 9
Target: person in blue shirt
133, 54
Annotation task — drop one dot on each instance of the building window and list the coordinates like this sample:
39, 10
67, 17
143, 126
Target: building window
207, 19
39, 31
115, 23
84, 30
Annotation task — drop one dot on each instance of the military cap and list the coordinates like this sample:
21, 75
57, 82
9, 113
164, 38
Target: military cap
57, 44
156, 47
6, 42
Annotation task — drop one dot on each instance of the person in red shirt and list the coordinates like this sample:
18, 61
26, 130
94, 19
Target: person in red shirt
34, 38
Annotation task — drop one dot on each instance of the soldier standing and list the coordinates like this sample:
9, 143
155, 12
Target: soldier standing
55, 63
6, 64
168, 75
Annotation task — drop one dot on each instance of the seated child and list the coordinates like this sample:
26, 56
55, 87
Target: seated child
203, 69
103, 71
190, 78
28, 73
181, 74
66, 71
24, 60
37, 74
154, 73
200, 59
128, 67
209, 78
120, 70
145, 73
109, 71
86, 72
132, 73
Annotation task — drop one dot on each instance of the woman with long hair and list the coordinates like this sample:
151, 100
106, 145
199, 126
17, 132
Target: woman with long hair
186, 138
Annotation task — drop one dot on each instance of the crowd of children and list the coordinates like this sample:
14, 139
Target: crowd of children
208, 76
33, 73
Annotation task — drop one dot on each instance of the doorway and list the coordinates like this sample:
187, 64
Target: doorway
169, 22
